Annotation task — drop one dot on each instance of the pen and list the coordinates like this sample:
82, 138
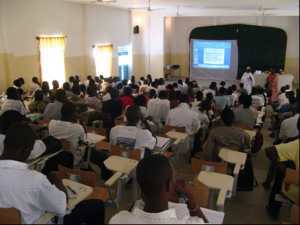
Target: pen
74, 192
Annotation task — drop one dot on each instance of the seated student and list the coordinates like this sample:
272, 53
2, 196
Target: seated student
132, 136
213, 89
245, 115
159, 108
91, 98
39, 104
282, 98
46, 91
53, 110
222, 100
155, 206
127, 98
30, 192
141, 102
183, 116
242, 90
13, 102
8, 119
258, 98
55, 87
282, 156
288, 128
35, 85
67, 89
112, 105
225, 136
198, 99
68, 129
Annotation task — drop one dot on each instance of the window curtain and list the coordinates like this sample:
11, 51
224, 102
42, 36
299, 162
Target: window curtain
103, 59
52, 59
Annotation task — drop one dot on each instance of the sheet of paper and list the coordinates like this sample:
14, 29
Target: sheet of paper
94, 138
213, 217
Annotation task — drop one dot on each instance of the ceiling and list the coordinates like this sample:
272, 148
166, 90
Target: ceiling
273, 7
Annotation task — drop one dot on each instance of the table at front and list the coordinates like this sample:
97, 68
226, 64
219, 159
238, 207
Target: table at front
83, 192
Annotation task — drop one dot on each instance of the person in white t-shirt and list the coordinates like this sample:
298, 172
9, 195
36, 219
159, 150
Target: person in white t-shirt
158, 108
155, 178
68, 129
132, 136
32, 193
183, 116
13, 102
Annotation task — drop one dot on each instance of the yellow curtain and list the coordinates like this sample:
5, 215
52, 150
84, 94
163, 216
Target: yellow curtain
103, 59
52, 58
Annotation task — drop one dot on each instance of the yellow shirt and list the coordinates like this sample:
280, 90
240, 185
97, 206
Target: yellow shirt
289, 151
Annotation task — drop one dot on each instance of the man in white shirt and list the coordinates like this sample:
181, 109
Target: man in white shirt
132, 136
183, 116
248, 80
13, 102
10, 118
30, 192
155, 207
158, 108
68, 129
288, 128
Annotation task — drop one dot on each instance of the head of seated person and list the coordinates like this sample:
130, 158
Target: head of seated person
227, 116
222, 91
127, 92
60, 96
152, 94
184, 99
291, 97
38, 96
45, 88
18, 143
155, 189
8, 119
66, 86
82, 88
213, 86
199, 96
246, 101
229, 91
133, 115
163, 95
55, 85
140, 100
68, 112
223, 84
13, 94
210, 97
92, 91
76, 88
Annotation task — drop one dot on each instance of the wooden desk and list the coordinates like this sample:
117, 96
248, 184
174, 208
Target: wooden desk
83, 192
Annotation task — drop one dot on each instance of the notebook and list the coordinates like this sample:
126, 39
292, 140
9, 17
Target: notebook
162, 142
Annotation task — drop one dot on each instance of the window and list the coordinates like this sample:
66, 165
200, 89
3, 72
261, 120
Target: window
103, 59
124, 61
52, 58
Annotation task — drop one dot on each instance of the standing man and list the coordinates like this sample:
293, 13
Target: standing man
248, 80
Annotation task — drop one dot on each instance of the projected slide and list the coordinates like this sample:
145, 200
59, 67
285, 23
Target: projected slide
211, 54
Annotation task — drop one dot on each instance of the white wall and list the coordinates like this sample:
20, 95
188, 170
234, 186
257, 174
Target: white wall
106, 25
24, 20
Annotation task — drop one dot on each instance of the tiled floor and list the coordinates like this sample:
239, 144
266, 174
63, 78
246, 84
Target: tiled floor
246, 207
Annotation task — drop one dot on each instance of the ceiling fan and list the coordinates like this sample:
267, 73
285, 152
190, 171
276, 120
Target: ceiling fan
102, 1
147, 8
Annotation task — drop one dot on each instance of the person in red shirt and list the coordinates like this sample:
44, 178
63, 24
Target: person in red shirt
127, 99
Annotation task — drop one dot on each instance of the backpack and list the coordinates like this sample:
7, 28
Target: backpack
246, 180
